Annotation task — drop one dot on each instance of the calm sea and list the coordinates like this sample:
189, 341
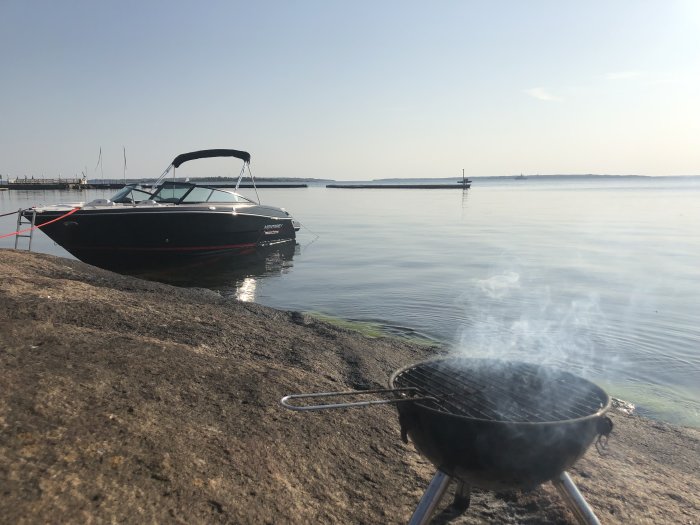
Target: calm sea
599, 276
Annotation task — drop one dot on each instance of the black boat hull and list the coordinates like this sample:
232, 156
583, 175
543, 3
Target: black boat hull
152, 237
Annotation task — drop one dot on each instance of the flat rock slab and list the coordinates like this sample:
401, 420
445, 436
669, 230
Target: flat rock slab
123, 400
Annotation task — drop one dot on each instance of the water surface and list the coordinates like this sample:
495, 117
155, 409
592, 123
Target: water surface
598, 276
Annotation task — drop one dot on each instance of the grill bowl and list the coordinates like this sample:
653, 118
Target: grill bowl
500, 425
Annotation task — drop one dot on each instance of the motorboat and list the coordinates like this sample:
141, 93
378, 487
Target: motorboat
166, 222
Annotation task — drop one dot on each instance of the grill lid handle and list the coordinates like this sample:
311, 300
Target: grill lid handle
407, 394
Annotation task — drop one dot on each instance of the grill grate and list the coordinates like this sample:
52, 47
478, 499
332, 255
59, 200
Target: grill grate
502, 391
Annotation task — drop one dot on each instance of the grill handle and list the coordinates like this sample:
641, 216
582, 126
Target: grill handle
285, 401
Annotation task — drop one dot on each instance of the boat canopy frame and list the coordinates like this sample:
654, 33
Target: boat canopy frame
208, 153
211, 153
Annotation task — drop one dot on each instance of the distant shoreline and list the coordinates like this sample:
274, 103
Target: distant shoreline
321, 182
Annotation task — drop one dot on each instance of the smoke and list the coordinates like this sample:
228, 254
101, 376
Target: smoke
512, 318
498, 286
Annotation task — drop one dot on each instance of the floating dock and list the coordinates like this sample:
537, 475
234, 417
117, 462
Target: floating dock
256, 186
48, 184
45, 184
105, 185
401, 186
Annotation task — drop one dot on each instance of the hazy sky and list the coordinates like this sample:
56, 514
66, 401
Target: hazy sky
354, 89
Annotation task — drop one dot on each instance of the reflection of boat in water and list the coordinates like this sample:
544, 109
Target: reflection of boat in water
169, 224
230, 274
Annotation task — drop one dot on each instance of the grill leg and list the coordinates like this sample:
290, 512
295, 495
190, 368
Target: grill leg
463, 496
568, 491
431, 499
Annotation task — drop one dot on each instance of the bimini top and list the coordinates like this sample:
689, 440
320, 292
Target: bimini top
207, 153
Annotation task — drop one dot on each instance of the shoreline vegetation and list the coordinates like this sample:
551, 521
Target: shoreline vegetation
133, 401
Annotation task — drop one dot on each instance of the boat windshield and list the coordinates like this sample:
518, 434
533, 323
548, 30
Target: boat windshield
130, 194
184, 193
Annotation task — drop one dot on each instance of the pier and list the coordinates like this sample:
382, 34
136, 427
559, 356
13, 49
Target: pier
464, 186
79, 184
247, 185
46, 184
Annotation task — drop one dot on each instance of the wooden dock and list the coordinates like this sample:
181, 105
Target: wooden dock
70, 184
27, 183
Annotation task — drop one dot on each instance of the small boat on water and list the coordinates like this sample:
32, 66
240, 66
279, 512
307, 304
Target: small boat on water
168, 222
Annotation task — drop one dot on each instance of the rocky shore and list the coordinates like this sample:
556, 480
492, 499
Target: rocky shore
123, 400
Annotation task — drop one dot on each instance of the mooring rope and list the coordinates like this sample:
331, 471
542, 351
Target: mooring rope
40, 225
316, 235
10, 213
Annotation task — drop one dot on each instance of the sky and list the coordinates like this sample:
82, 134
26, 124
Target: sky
351, 90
